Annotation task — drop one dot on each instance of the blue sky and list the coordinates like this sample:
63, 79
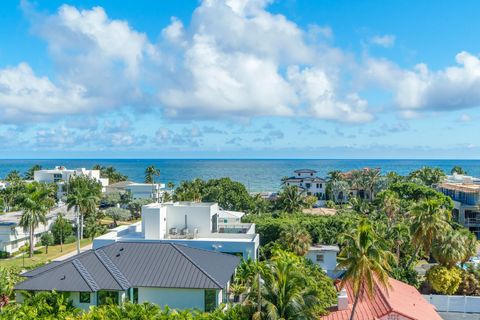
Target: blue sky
239, 78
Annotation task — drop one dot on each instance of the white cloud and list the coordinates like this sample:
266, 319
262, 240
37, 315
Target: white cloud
453, 88
385, 41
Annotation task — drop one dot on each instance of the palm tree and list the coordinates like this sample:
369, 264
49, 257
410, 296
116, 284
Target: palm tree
296, 240
366, 260
285, 293
35, 203
340, 190
190, 191
150, 173
429, 221
93, 227
13, 176
62, 222
335, 175
470, 244
458, 170
291, 199
428, 176
170, 185
449, 249
84, 196
30, 174
390, 204
371, 177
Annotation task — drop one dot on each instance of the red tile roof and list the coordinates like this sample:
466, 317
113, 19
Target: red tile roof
400, 298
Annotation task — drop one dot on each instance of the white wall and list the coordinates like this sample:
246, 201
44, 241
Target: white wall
14, 237
75, 298
174, 298
329, 260
199, 217
454, 303
153, 222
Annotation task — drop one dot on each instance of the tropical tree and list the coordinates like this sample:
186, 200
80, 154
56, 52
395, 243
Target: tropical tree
61, 228
37, 200
93, 227
118, 214
296, 240
30, 173
291, 199
13, 176
190, 190
46, 240
366, 260
150, 173
340, 190
371, 181
428, 176
458, 170
170, 185
8, 278
428, 221
166, 196
111, 173
390, 204
469, 240
83, 197
135, 207
259, 205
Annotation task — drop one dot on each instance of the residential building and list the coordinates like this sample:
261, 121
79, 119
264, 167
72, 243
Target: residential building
152, 191
307, 180
166, 274
199, 225
465, 193
399, 302
61, 174
13, 237
325, 256
3, 185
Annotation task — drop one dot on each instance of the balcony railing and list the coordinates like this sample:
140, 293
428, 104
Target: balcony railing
472, 221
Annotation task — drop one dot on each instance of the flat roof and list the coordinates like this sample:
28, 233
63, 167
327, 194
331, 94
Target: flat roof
475, 188
324, 247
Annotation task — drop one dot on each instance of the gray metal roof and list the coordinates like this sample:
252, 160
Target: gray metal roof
122, 265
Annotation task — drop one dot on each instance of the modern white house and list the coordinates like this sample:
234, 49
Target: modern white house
60, 175
193, 224
465, 193
152, 191
162, 273
13, 237
307, 180
325, 256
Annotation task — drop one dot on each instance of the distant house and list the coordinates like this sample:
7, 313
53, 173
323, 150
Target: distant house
13, 237
465, 193
162, 273
325, 256
400, 302
60, 175
138, 190
307, 180
196, 224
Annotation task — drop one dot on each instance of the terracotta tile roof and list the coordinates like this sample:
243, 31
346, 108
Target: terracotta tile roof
401, 299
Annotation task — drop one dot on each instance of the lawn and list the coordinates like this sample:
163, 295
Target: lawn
40, 257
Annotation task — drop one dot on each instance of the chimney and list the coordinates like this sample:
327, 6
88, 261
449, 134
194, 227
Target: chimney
342, 300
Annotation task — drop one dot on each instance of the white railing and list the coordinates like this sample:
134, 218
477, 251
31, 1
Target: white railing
444, 303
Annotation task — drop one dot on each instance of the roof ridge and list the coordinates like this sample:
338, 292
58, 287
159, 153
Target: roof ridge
85, 275
112, 269
196, 266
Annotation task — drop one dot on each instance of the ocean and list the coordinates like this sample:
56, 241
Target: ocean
256, 174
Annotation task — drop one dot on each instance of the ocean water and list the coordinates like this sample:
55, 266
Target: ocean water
257, 175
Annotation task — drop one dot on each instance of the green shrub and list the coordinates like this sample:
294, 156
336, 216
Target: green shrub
444, 280
330, 204
70, 239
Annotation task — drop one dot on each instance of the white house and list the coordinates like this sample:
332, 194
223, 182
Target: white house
325, 256
306, 179
166, 274
13, 237
152, 191
188, 223
60, 175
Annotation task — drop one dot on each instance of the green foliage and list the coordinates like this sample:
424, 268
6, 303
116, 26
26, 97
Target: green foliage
135, 207
111, 173
452, 247
93, 228
469, 285
46, 239
61, 229
330, 204
296, 240
410, 192
118, 214
444, 280
427, 175
403, 274
150, 173
458, 170
291, 200
110, 199
13, 176
30, 173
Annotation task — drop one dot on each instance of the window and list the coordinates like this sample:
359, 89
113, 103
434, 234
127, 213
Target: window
318, 185
319, 257
84, 297
135, 295
299, 174
107, 297
210, 300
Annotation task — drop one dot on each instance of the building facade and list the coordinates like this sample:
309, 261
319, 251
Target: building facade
307, 180
465, 193
198, 225
152, 191
325, 256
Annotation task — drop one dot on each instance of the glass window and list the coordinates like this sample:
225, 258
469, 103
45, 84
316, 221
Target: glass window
210, 300
107, 297
84, 297
319, 257
135, 295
